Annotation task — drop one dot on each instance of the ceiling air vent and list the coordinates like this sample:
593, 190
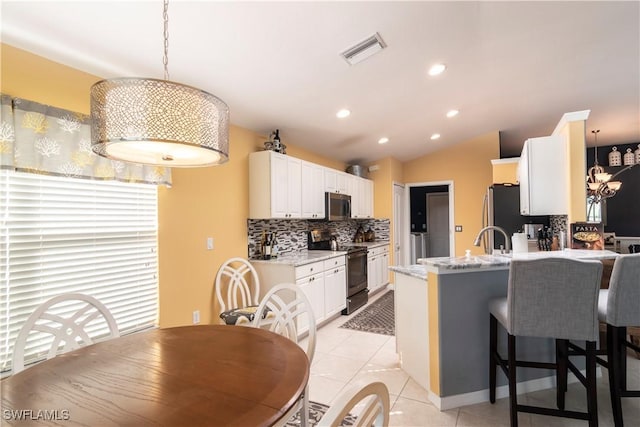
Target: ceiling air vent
364, 49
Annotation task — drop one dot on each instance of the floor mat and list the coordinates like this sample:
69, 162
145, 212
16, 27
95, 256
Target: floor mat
316, 411
377, 317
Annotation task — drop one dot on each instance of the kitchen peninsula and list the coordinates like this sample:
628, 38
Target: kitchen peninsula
442, 325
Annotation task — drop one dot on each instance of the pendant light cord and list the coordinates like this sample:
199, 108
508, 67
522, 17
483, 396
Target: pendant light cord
595, 133
165, 58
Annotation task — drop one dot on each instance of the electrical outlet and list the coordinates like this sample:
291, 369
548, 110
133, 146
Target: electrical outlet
196, 317
209, 243
458, 228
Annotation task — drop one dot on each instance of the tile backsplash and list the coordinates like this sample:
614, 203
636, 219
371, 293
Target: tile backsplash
558, 223
292, 233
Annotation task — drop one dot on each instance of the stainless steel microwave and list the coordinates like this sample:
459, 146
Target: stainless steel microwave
337, 207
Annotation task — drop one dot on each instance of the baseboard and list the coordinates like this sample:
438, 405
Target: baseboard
451, 402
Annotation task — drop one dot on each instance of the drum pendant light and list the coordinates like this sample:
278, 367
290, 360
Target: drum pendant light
158, 122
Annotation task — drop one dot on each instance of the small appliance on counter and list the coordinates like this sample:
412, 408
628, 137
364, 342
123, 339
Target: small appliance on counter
333, 243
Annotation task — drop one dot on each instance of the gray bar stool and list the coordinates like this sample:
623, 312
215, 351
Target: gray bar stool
549, 298
619, 307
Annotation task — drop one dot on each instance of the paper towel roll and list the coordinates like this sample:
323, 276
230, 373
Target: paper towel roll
519, 243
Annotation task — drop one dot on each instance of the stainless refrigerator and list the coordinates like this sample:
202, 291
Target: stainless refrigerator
419, 246
501, 207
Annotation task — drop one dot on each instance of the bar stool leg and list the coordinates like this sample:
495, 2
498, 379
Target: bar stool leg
622, 352
592, 399
562, 350
493, 349
615, 372
513, 396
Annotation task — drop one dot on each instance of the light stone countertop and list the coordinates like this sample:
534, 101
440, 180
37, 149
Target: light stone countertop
418, 271
502, 261
374, 244
300, 258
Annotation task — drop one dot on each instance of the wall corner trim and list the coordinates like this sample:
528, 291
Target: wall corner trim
570, 117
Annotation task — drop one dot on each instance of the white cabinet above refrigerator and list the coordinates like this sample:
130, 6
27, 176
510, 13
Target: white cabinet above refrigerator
543, 176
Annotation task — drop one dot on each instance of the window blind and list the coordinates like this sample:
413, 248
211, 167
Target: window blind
63, 235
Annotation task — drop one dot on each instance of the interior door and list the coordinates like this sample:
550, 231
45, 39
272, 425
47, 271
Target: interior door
398, 223
438, 224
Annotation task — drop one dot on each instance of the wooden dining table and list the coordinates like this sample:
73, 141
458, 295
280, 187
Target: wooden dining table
213, 375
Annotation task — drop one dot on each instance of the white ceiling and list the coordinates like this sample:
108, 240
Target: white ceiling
516, 67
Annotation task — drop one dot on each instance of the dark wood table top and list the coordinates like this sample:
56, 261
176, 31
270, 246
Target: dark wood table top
210, 375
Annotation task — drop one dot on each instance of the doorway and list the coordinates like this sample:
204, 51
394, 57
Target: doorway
438, 223
430, 230
399, 204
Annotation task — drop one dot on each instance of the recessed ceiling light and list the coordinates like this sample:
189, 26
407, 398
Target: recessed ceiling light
383, 140
435, 136
343, 113
452, 113
437, 69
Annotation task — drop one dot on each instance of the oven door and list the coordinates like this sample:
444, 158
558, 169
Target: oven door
356, 272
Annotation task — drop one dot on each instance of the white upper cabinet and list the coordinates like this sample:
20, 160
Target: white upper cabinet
361, 192
275, 188
312, 190
341, 182
543, 176
281, 186
335, 181
366, 198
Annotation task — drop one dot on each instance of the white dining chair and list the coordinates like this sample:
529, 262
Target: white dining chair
287, 305
372, 402
237, 290
66, 318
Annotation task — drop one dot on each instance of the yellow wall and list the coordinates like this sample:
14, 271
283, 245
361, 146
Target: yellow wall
505, 171
577, 166
389, 172
202, 202
468, 165
32, 77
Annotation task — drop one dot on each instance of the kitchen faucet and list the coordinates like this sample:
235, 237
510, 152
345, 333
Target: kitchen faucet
493, 227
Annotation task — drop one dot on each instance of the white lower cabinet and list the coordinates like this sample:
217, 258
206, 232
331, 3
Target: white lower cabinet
313, 287
377, 267
335, 289
323, 282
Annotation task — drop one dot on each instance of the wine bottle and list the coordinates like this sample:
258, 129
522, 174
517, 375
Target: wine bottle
267, 247
277, 146
274, 246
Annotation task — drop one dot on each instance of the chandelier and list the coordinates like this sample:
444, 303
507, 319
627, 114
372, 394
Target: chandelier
158, 122
600, 184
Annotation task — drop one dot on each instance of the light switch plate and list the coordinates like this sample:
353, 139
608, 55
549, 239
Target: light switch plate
209, 243
458, 228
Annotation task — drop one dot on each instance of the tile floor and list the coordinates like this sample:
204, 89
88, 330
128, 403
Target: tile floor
344, 357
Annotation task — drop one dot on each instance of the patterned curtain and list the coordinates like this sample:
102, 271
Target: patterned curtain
42, 139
